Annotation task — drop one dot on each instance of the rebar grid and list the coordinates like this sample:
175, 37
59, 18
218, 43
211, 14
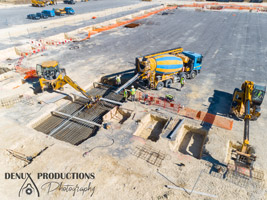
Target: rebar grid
147, 153
74, 131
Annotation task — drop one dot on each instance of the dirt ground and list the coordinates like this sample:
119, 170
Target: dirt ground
134, 158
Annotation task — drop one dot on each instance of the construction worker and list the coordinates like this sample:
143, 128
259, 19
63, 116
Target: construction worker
118, 80
182, 82
125, 95
133, 93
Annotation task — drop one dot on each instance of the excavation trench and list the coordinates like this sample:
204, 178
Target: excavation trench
150, 127
190, 141
117, 115
75, 131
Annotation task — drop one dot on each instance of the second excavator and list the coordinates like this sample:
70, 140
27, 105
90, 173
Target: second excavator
250, 97
246, 105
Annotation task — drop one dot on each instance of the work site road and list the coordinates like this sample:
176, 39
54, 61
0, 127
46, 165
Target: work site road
16, 15
39, 29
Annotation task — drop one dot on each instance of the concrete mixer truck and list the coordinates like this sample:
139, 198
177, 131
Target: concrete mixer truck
163, 68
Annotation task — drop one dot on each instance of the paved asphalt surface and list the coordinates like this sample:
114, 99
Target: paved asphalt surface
40, 32
17, 15
234, 46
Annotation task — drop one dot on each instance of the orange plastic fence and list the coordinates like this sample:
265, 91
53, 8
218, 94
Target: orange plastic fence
194, 5
187, 112
225, 6
30, 74
109, 27
208, 117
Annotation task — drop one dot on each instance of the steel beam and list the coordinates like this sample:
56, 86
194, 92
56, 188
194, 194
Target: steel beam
127, 83
77, 118
111, 101
173, 133
60, 126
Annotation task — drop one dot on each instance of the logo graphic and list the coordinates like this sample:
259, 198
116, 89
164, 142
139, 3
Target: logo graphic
29, 188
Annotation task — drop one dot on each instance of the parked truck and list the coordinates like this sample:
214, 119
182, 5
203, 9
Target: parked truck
69, 11
163, 68
69, 1
49, 13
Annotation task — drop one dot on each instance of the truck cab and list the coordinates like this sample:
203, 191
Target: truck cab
194, 65
69, 1
69, 11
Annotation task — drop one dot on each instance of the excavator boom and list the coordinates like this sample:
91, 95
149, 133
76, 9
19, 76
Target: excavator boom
246, 105
68, 80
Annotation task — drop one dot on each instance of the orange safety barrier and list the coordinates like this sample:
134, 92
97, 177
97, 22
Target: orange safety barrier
225, 6
215, 120
109, 27
208, 117
30, 74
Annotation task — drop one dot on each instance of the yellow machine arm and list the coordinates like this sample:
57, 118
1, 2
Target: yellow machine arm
247, 87
244, 106
68, 80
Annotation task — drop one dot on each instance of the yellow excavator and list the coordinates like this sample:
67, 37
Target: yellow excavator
38, 3
53, 77
250, 97
246, 105
42, 3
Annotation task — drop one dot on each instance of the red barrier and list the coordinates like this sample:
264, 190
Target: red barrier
224, 6
30, 74
187, 112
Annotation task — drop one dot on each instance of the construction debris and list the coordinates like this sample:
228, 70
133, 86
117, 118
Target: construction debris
132, 25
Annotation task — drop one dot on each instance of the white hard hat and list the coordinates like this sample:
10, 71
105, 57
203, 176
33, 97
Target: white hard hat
132, 86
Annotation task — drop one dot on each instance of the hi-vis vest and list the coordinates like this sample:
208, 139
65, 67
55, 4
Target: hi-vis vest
182, 80
132, 91
125, 93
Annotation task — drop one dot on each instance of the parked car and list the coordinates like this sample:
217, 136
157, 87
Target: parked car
69, 11
42, 15
69, 1
49, 13
32, 16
